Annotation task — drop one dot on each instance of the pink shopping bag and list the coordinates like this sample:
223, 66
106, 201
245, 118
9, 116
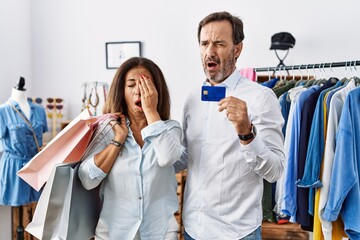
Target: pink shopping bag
67, 146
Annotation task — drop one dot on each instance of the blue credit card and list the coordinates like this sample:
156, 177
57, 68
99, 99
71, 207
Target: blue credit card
212, 93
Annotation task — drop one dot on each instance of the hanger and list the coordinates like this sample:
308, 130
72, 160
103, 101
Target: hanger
293, 72
308, 73
301, 73
309, 82
322, 78
282, 81
319, 78
345, 78
314, 73
302, 77
323, 71
356, 78
331, 68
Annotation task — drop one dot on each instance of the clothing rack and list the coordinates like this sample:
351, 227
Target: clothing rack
309, 66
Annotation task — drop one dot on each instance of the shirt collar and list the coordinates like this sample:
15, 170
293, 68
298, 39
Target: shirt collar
13, 102
231, 81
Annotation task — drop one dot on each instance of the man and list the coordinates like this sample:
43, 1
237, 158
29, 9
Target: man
231, 145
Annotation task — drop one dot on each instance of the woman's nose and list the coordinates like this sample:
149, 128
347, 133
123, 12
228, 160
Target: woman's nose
137, 89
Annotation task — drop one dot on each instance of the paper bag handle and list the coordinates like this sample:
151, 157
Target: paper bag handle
103, 120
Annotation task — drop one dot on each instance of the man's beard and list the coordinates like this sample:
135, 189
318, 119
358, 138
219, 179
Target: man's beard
225, 70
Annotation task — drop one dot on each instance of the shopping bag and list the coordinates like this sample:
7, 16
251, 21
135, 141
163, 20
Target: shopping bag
67, 146
65, 210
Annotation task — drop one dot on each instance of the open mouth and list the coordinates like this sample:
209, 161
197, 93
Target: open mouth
211, 64
138, 103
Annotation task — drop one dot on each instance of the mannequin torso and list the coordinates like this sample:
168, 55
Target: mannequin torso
21, 98
21, 138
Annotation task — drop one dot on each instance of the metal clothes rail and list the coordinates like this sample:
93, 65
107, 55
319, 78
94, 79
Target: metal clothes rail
310, 66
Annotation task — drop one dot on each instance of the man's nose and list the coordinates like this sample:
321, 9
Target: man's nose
210, 50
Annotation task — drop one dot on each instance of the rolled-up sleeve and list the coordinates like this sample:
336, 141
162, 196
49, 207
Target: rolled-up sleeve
166, 138
265, 153
89, 174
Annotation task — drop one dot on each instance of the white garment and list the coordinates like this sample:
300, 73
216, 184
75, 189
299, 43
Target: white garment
224, 184
171, 233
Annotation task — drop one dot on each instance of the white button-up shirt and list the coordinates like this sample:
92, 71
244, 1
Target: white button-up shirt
139, 193
224, 184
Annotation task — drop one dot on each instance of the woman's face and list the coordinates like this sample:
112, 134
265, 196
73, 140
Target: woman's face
132, 92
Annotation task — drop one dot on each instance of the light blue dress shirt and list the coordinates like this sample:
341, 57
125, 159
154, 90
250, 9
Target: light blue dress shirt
224, 184
291, 176
344, 192
139, 193
285, 104
315, 151
19, 147
335, 108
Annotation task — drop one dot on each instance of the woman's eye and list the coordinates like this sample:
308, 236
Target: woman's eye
131, 85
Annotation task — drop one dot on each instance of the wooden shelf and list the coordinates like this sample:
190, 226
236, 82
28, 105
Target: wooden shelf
274, 231
28, 212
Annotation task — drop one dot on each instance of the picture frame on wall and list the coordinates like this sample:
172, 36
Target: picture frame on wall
119, 52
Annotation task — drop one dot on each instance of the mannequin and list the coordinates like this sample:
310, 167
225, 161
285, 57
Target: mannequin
22, 125
18, 94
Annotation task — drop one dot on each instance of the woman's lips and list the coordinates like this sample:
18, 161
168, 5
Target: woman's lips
138, 103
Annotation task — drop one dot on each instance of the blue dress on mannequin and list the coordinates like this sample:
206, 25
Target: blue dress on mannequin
19, 147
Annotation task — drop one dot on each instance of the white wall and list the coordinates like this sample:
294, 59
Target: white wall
15, 61
68, 39
15, 45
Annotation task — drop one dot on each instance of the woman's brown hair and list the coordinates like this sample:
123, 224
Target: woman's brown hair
115, 101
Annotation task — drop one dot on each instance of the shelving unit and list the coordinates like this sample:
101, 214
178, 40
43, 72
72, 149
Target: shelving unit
181, 179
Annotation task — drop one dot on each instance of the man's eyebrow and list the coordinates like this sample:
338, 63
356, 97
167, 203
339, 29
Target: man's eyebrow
212, 41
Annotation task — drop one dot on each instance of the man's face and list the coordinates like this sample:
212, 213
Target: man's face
218, 53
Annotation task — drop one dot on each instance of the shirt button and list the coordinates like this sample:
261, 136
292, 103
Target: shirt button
140, 198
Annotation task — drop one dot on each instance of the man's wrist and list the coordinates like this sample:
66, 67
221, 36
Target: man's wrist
116, 143
249, 136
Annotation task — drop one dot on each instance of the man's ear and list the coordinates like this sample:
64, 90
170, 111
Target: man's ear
238, 49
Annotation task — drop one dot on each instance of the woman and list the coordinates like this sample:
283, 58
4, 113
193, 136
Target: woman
134, 162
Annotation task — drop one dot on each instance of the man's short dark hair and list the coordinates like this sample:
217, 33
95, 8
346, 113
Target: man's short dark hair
236, 23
